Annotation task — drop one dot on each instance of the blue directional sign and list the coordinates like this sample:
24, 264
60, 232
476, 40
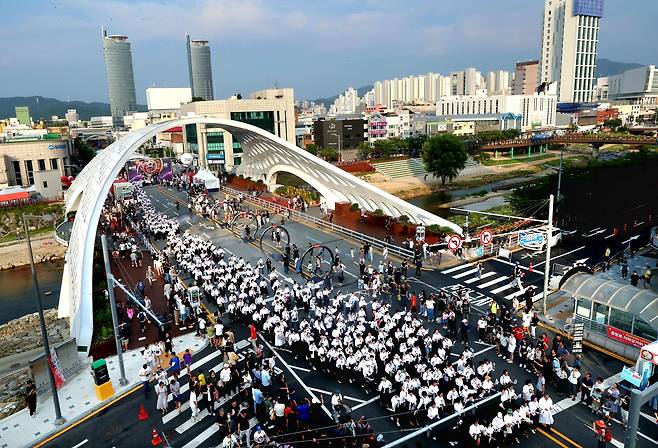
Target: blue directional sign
531, 238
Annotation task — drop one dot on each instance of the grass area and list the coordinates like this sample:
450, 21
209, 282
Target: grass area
33, 234
477, 220
526, 159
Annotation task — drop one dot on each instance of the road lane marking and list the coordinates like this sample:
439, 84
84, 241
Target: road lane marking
562, 255
457, 268
483, 276
493, 282
502, 288
80, 444
189, 223
365, 403
464, 274
302, 369
326, 392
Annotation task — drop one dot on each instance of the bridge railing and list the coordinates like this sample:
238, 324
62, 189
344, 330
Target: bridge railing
393, 249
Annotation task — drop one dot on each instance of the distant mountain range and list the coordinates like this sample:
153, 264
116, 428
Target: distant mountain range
330, 100
606, 67
44, 108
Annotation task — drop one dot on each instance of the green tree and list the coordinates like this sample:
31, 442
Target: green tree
197, 98
612, 123
364, 151
328, 154
83, 152
312, 148
444, 156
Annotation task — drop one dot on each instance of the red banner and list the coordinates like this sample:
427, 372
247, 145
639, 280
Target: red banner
53, 362
626, 337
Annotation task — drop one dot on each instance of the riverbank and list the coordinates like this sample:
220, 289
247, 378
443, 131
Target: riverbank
20, 342
14, 254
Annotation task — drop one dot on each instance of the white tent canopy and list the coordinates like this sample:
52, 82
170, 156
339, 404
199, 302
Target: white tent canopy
207, 178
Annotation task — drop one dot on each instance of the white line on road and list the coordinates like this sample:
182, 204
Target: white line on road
502, 288
514, 294
464, 274
514, 264
299, 380
561, 255
80, 444
206, 235
483, 276
457, 268
302, 369
494, 281
609, 236
326, 392
365, 403
188, 222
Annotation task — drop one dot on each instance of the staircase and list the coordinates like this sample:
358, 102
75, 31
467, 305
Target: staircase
401, 168
409, 167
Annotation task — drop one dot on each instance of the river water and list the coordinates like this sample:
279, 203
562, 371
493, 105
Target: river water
17, 295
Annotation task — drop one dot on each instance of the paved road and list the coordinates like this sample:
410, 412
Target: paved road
117, 425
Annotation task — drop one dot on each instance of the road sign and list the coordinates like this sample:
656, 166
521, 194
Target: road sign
531, 238
486, 237
420, 233
578, 332
454, 242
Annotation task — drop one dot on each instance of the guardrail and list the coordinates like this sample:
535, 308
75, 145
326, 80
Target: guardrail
58, 238
276, 208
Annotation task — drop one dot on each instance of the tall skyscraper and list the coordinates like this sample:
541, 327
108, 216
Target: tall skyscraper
570, 39
525, 78
120, 77
198, 60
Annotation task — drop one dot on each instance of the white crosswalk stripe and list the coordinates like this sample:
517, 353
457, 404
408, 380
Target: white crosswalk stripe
464, 274
502, 288
481, 302
457, 268
493, 282
514, 294
482, 277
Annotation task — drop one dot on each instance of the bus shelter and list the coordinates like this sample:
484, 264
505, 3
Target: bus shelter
617, 316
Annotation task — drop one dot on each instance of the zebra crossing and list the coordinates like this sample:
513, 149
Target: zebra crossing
202, 429
482, 287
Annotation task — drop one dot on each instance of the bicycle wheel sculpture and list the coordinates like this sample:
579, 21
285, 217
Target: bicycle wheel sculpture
316, 262
273, 241
244, 225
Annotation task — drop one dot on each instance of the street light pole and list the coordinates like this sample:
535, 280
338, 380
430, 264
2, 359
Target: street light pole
547, 267
113, 307
59, 420
559, 176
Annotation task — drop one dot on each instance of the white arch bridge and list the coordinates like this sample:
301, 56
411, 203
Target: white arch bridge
264, 156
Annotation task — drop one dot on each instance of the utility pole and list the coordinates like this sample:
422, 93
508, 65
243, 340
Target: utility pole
113, 308
547, 267
559, 175
59, 420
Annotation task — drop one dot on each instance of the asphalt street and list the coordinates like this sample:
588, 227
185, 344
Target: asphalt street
117, 426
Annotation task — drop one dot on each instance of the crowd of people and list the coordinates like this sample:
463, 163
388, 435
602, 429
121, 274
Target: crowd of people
400, 351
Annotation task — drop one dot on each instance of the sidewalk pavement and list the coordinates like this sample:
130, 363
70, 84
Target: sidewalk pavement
638, 264
77, 397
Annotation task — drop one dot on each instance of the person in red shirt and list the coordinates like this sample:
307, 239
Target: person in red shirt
252, 336
518, 333
414, 303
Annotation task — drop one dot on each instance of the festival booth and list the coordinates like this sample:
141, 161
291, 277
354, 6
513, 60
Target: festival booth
208, 179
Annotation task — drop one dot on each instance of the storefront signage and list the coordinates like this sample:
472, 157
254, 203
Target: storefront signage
578, 332
626, 338
631, 376
53, 147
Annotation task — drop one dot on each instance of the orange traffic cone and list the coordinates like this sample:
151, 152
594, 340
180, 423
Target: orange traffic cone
143, 415
530, 267
155, 438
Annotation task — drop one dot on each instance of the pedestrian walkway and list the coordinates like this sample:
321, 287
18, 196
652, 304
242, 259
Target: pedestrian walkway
483, 287
638, 264
77, 398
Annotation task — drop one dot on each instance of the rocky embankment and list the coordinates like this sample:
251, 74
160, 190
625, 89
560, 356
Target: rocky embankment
44, 248
19, 336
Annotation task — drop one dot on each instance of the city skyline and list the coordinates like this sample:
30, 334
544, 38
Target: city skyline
328, 47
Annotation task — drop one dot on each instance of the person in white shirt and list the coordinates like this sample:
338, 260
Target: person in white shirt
574, 378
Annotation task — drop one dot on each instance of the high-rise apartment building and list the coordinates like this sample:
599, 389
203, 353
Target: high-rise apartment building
525, 78
23, 115
120, 77
499, 83
199, 63
569, 44
346, 103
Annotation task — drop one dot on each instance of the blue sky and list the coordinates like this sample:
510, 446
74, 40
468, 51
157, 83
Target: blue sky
53, 47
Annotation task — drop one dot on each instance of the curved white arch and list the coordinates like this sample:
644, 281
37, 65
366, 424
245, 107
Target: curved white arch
264, 154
